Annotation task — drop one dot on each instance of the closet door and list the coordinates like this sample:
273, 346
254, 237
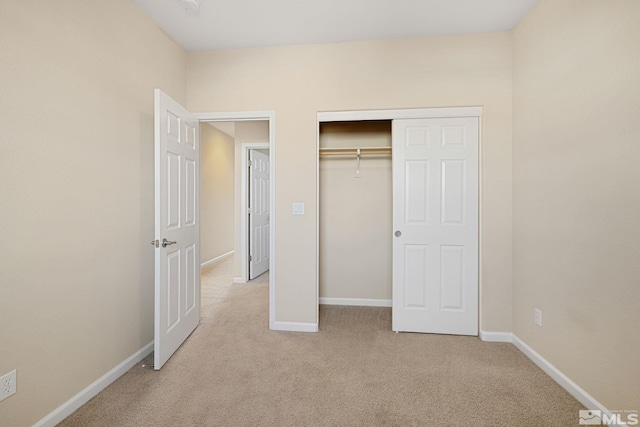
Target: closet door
435, 220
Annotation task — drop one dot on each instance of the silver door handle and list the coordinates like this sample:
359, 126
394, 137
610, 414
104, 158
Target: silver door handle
166, 243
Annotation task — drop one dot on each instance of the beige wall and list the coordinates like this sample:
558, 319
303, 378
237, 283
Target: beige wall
76, 174
76, 167
217, 197
298, 81
577, 192
249, 132
355, 213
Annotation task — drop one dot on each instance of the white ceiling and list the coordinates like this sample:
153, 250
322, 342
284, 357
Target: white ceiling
230, 24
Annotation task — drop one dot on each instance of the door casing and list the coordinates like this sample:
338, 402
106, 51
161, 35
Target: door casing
417, 113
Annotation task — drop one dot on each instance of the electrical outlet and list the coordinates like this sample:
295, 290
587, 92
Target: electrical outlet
538, 317
7, 385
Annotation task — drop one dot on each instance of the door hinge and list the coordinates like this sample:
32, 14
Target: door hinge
249, 211
250, 258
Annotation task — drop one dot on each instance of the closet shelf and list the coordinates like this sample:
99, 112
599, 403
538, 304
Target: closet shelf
354, 151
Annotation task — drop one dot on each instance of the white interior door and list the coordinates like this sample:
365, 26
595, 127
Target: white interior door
177, 265
435, 220
258, 213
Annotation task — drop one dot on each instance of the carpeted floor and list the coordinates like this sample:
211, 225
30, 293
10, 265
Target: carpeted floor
234, 371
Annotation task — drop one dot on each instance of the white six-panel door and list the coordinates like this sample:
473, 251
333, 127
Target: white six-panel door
177, 260
435, 220
259, 213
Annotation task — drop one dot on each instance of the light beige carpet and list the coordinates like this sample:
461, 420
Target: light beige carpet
234, 371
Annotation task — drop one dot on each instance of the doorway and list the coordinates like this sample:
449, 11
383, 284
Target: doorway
257, 130
235, 196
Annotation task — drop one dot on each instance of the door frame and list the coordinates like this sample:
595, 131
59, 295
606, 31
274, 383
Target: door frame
412, 113
270, 116
244, 208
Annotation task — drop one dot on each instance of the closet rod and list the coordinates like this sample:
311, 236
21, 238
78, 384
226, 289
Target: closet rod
354, 151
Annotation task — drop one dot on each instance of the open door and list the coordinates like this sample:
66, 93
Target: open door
435, 220
258, 213
177, 253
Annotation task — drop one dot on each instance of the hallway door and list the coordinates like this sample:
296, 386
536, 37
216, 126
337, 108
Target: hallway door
258, 213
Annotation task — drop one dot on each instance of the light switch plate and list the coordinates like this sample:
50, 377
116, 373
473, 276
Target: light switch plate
297, 208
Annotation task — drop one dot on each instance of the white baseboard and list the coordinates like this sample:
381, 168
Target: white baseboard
362, 302
239, 280
216, 259
565, 382
489, 336
94, 388
293, 326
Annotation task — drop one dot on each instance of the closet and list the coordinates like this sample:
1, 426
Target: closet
398, 221
355, 223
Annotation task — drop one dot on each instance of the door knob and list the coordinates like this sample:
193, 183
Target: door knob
166, 243
398, 233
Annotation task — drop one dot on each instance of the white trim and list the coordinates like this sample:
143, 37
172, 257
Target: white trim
318, 219
489, 336
294, 326
480, 229
239, 280
565, 382
271, 117
414, 113
359, 302
216, 259
244, 197
235, 116
68, 407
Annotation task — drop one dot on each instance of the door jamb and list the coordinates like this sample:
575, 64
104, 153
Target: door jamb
414, 113
269, 116
244, 207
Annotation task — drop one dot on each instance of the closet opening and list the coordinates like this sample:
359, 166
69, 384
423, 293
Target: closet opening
355, 213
